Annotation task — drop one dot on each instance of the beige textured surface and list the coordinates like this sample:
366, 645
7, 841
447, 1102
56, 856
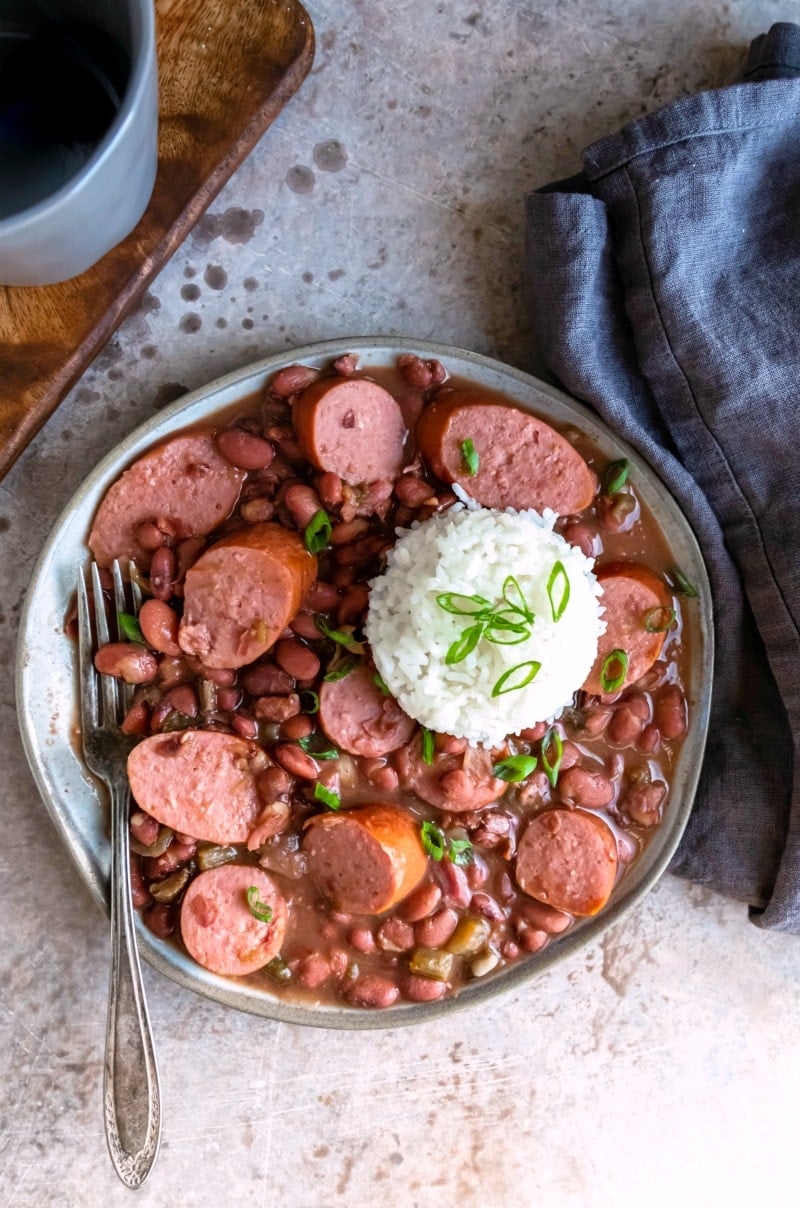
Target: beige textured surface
661, 1067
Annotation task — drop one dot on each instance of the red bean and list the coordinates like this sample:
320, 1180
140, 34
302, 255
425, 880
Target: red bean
266, 679
276, 708
187, 554
183, 698
160, 713
359, 552
297, 660
510, 950
578, 786
458, 787
163, 573
413, 491
296, 762
244, 724
137, 719
649, 740
128, 661
272, 784
303, 503
629, 719
532, 940
617, 513
320, 597
151, 536
160, 919
176, 854
448, 744
331, 489
421, 902
229, 698
504, 887
595, 722
351, 530
257, 510
370, 990
222, 677
362, 939
297, 727
422, 989
670, 713
642, 802
438, 372
415, 371
484, 904
292, 380
314, 971
385, 780
456, 886
244, 450
395, 935
305, 626
159, 624
477, 874
140, 895
435, 931
144, 829
570, 755
534, 733
582, 537
343, 576
347, 365
544, 918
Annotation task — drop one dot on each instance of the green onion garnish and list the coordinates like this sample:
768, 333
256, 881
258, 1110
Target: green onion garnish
455, 602
460, 851
558, 590
512, 589
129, 627
613, 671
516, 677
470, 456
659, 620
318, 532
615, 476
427, 747
515, 768
327, 796
340, 636
339, 670
464, 645
380, 683
433, 840
309, 701
552, 739
259, 910
681, 585
310, 745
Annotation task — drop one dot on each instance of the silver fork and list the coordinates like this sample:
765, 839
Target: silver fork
131, 1092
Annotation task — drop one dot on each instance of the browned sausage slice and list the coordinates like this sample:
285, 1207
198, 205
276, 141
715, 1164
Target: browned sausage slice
351, 427
456, 783
198, 782
568, 859
185, 485
218, 927
522, 461
361, 719
630, 593
242, 593
365, 860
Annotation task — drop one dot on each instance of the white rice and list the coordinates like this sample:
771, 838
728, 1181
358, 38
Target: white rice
473, 551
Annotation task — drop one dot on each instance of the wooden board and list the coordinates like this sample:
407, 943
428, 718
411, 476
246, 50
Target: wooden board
226, 69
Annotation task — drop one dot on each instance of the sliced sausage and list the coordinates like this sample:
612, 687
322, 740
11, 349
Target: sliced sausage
365, 860
242, 593
521, 461
361, 719
351, 427
454, 782
630, 593
198, 782
567, 859
218, 927
185, 487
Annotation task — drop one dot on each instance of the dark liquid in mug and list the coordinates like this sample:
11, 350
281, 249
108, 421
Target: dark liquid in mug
61, 85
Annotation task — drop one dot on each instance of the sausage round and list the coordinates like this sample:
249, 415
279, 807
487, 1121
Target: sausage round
351, 427
198, 782
242, 593
630, 592
185, 486
361, 719
365, 860
522, 461
218, 927
567, 859
457, 782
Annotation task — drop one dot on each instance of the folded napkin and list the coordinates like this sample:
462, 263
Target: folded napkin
666, 294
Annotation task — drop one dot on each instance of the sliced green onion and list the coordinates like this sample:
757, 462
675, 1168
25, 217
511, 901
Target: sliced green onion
433, 840
380, 683
460, 852
512, 588
129, 627
278, 970
516, 677
318, 532
427, 747
309, 701
340, 636
327, 796
659, 620
339, 670
465, 644
471, 458
681, 585
308, 745
558, 590
611, 680
552, 766
455, 602
503, 632
259, 910
515, 768
615, 476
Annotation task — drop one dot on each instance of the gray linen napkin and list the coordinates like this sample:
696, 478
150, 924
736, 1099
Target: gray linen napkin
666, 294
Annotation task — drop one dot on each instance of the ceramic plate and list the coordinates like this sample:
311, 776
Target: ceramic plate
47, 679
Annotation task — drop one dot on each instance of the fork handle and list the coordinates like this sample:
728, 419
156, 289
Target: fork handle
131, 1092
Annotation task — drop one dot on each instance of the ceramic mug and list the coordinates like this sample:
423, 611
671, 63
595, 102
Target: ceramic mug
78, 132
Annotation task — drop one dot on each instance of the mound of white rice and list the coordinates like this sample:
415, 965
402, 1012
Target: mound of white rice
472, 552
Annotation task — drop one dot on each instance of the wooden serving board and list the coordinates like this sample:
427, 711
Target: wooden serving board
226, 69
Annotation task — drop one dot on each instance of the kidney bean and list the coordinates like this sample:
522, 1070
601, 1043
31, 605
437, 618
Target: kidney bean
331, 489
171, 671
303, 503
292, 380
159, 624
456, 887
544, 917
384, 779
313, 971
395, 935
152, 536
438, 372
570, 756
669, 712
485, 905
297, 660
163, 573
510, 950
297, 727
305, 626
348, 531
160, 919
159, 715
435, 931
290, 451
534, 733
221, 677
531, 940
578, 786
413, 492
273, 820
257, 510
266, 679
629, 719
596, 720
477, 874
140, 894
244, 450
229, 698
583, 538
370, 990
272, 784
504, 887
137, 719
422, 989
176, 854
276, 708
448, 744
353, 604
654, 677
642, 802
627, 847
320, 597
649, 741
617, 513
362, 939
359, 552
421, 902
183, 698
347, 365
403, 517
343, 576
143, 828
296, 762
128, 661
245, 725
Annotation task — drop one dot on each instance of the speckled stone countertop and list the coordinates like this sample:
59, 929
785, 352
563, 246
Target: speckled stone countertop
660, 1066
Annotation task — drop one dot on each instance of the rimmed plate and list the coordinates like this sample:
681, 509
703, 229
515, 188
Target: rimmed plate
47, 684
